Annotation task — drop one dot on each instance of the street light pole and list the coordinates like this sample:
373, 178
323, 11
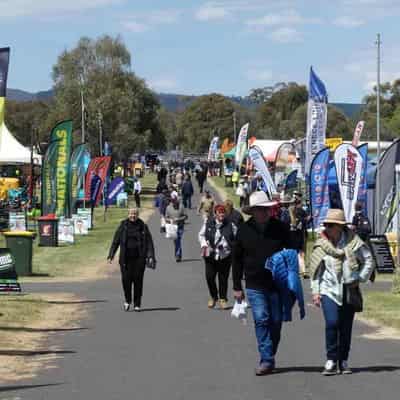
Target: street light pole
378, 136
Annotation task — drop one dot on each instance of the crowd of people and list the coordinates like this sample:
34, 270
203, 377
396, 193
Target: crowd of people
256, 250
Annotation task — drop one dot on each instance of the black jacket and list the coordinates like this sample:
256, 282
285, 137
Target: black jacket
235, 217
251, 250
146, 246
226, 231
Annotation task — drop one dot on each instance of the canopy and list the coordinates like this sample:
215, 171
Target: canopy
12, 151
269, 147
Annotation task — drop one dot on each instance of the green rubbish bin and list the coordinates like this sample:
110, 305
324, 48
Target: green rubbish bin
20, 245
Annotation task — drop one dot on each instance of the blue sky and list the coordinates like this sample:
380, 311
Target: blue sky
198, 47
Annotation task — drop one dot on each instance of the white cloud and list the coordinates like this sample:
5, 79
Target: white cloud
18, 8
286, 35
212, 11
144, 22
163, 84
348, 22
259, 75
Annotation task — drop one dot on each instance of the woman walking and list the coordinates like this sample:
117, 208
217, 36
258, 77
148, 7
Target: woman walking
339, 262
216, 237
136, 252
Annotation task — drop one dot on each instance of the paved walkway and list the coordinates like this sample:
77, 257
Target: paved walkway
178, 349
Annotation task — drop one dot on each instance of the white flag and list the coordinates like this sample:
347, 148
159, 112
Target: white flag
357, 133
241, 145
257, 158
348, 163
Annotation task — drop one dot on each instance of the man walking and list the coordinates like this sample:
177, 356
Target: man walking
257, 239
137, 188
187, 192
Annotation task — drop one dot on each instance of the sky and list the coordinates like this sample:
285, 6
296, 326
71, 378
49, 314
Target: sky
222, 46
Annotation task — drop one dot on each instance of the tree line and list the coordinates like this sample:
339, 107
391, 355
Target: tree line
119, 103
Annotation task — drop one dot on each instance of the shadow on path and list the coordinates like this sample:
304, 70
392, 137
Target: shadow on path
32, 353
314, 369
24, 387
26, 329
160, 309
191, 259
77, 302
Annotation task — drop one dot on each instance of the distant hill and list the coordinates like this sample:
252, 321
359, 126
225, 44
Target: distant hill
175, 102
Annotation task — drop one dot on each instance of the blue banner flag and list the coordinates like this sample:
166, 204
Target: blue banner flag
116, 186
319, 189
362, 191
95, 185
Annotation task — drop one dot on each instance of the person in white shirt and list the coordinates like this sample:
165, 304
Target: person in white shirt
137, 188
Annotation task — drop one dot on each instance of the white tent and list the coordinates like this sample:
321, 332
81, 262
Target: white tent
12, 151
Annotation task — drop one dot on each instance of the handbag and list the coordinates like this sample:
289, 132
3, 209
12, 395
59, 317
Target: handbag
354, 298
171, 231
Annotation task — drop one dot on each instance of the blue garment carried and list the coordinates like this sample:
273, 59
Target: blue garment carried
284, 266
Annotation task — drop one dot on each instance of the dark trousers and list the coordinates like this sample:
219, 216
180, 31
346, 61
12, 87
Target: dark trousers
201, 184
338, 328
133, 273
222, 269
137, 199
187, 201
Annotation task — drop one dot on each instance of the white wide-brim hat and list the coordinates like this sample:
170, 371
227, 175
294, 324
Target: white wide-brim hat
258, 199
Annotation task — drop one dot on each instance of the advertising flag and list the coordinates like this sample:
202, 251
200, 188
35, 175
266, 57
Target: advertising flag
49, 189
317, 113
78, 166
283, 164
61, 135
348, 164
241, 145
319, 189
4, 61
387, 177
212, 151
98, 167
257, 158
116, 186
363, 190
357, 133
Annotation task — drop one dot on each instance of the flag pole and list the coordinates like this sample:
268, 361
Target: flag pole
378, 134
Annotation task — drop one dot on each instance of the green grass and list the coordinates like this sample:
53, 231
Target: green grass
68, 261
382, 307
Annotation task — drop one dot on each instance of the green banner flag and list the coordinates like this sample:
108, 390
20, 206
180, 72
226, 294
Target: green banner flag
48, 180
61, 135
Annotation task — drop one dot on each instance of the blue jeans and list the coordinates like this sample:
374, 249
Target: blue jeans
338, 328
178, 243
267, 315
187, 201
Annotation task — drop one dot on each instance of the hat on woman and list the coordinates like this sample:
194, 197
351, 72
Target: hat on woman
335, 216
258, 199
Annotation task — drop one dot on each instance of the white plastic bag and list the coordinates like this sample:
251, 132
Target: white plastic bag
171, 231
239, 311
240, 191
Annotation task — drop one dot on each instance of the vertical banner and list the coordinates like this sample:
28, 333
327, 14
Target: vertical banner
319, 188
78, 167
116, 186
4, 62
363, 190
257, 158
282, 161
387, 208
357, 133
61, 135
241, 145
348, 164
98, 167
49, 195
317, 114
212, 151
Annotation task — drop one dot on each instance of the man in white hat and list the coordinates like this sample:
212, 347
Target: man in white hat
257, 239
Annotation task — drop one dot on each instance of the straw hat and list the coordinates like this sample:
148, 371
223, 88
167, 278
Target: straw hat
335, 216
258, 199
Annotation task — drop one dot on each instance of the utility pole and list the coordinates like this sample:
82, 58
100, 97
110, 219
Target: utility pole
378, 136
234, 127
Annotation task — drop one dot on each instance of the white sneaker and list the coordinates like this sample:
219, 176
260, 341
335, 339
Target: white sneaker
330, 368
126, 306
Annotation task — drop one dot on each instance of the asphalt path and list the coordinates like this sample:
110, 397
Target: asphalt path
178, 349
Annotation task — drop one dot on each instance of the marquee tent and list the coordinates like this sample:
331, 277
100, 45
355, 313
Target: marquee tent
12, 151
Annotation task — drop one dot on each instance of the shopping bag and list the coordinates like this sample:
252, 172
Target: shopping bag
171, 231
